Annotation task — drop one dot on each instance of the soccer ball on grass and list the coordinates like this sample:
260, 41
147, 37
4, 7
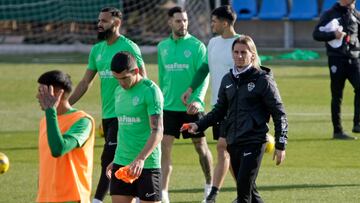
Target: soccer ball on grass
4, 163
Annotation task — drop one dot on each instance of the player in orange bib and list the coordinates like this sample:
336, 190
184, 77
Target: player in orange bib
66, 143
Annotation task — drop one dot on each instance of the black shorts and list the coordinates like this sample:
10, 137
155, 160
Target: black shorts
110, 126
147, 187
218, 130
173, 120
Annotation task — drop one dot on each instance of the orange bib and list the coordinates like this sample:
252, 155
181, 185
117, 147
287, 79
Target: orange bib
65, 178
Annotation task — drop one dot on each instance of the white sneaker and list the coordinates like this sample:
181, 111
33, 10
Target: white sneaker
137, 200
207, 190
97, 201
165, 197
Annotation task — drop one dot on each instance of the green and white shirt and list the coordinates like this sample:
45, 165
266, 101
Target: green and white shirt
133, 109
178, 61
100, 60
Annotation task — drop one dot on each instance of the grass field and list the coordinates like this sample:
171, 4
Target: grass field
317, 168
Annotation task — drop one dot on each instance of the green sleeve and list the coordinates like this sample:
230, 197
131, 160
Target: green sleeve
200, 76
75, 137
160, 70
199, 94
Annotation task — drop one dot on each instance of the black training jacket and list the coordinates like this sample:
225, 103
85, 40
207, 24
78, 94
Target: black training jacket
349, 20
247, 102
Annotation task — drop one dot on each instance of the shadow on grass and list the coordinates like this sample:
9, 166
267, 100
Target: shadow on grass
269, 188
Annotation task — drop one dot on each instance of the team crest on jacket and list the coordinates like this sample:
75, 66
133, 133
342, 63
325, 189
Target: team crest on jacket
251, 86
187, 53
135, 100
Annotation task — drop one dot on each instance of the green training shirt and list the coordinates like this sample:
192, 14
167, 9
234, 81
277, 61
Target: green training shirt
100, 60
178, 61
133, 108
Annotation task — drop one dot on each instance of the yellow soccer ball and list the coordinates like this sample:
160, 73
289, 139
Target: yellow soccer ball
270, 144
4, 163
101, 131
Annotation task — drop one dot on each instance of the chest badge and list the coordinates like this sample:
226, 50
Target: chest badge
135, 101
187, 53
250, 86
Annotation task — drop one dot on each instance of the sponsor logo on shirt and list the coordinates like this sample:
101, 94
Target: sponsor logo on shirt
176, 67
127, 120
105, 74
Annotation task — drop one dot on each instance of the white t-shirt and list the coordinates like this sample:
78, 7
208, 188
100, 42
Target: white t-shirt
220, 62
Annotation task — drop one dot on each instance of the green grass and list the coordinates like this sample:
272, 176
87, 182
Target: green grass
316, 169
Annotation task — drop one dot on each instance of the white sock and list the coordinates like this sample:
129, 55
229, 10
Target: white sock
207, 189
97, 201
165, 196
137, 200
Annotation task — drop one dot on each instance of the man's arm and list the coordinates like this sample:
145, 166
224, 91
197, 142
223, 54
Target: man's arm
197, 80
83, 86
61, 144
324, 36
156, 123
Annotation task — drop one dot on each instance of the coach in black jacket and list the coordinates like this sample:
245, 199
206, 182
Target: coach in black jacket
343, 58
247, 97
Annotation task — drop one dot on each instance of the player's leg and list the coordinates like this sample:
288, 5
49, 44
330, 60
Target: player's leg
166, 163
120, 191
110, 127
337, 77
353, 73
149, 186
205, 159
246, 161
171, 131
202, 149
122, 199
221, 168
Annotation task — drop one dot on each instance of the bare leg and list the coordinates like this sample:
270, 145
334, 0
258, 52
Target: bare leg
166, 164
122, 199
205, 157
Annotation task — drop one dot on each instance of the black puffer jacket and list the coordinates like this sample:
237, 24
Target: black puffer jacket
349, 20
247, 102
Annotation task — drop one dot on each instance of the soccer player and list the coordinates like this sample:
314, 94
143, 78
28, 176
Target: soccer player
66, 143
179, 57
219, 63
138, 106
111, 42
248, 95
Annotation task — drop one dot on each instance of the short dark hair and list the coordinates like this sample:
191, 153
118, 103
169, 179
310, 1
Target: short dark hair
57, 79
114, 11
226, 13
123, 61
176, 9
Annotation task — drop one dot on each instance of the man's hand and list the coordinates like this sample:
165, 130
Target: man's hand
339, 34
193, 108
108, 170
186, 96
136, 167
47, 98
279, 155
190, 127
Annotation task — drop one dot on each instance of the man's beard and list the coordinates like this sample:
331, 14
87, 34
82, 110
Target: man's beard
106, 34
180, 33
